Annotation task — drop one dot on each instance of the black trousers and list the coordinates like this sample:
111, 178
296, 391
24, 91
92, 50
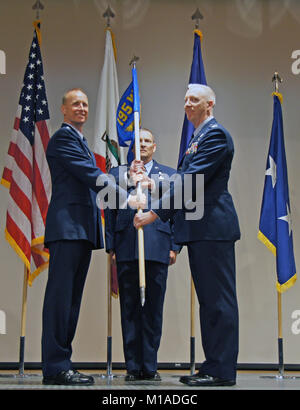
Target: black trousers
141, 326
212, 265
68, 267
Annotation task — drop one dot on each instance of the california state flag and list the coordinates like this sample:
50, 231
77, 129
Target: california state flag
106, 148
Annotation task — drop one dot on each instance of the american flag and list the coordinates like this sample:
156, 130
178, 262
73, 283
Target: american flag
26, 173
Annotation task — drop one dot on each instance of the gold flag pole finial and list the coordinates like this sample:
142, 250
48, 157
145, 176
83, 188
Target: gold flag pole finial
276, 79
38, 6
197, 16
134, 60
108, 14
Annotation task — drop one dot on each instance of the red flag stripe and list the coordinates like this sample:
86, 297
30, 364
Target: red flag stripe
18, 237
39, 190
44, 134
17, 124
20, 199
11, 149
23, 163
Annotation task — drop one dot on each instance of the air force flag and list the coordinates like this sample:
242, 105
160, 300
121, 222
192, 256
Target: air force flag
275, 229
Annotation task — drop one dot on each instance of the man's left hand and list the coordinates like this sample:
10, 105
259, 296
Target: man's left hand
173, 256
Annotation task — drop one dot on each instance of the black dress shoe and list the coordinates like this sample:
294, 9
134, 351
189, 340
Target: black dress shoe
184, 379
69, 378
206, 380
132, 377
152, 377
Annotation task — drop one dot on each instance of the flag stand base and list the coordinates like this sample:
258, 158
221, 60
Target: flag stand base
108, 374
281, 375
21, 374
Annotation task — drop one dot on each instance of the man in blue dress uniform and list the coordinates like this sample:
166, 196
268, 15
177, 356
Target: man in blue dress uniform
210, 240
141, 325
73, 230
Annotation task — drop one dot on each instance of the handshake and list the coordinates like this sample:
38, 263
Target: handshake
139, 178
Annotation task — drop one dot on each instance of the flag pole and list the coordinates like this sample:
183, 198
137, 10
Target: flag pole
280, 339
109, 319
277, 79
108, 14
192, 338
23, 323
196, 16
37, 6
139, 189
21, 373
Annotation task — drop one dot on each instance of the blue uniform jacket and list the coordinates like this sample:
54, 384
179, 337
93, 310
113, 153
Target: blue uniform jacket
121, 236
72, 213
209, 153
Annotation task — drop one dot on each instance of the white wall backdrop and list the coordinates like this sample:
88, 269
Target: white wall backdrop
244, 42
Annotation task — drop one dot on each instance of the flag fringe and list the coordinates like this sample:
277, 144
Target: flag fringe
20, 253
36, 25
281, 287
34, 274
40, 252
266, 242
17, 249
199, 33
279, 95
5, 183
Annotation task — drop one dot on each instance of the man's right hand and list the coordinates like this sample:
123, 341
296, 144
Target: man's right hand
136, 167
113, 257
137, 201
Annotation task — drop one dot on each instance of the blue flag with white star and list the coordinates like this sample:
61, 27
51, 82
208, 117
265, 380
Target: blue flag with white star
275, 229
197, 76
